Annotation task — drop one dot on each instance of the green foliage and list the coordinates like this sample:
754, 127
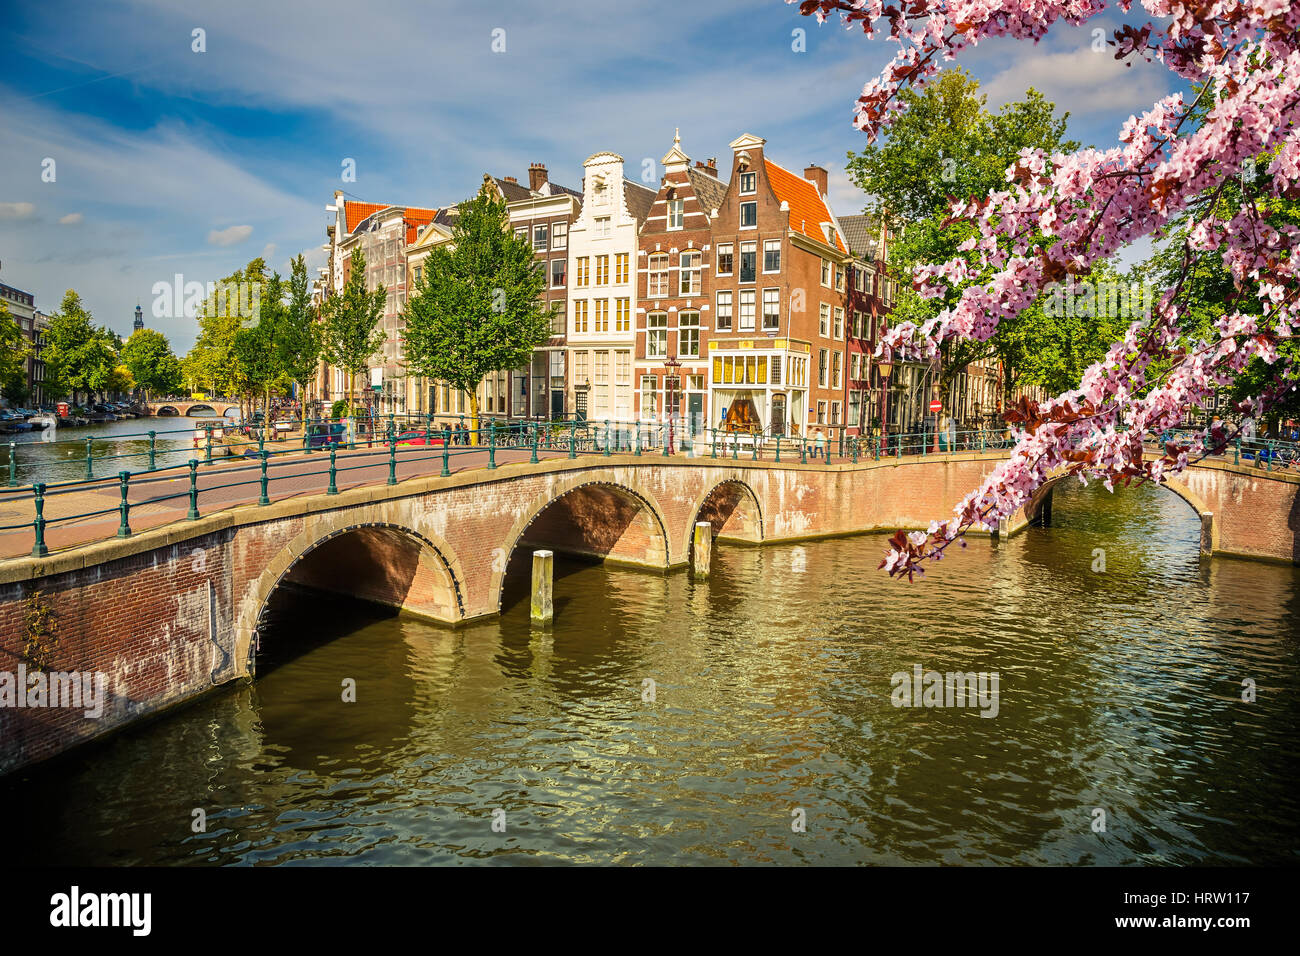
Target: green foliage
212, 364
149, 357
476, 308
350, 336
41, 629
85, 356
13, 357
946, 146
298, 337
340, 408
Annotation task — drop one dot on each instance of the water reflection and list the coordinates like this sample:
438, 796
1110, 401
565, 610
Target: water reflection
1120, 690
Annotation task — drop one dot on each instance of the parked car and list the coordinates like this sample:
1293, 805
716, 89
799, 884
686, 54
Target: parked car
318, 436
419, 438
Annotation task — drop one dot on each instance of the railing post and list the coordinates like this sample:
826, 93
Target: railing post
13, 465
39, 550
663, 437
153, 449
124, 528
1236, 452
607, 438
778, 449
713, 442
536, 427
333, 488
392, 458
826, 455
90, 473
208, 458
306, 438
754, 444
573, 440
735, 447
492, 446
638, 438
841, 442
194, 490
446, 440
854, 449
803, 449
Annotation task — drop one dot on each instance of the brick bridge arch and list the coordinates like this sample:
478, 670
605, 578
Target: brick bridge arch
734, 510
429, 582
642, 539
1040, 506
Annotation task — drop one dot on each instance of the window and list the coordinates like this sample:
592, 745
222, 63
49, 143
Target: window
749, 215
690, 272
776, 369
559, 236
839, 278
649, 393
771, 310
772, 255
623, 367
521, 233
539, 238
835, 413
657, 283
620, 268
748, 184
726, 259
601, 374
676, 208
623, 315
860, 329
602, 270
748, 261
826, 273
580, 315
837, 370
821, 413
859, 280
747, 310
601, 230
602, 315
855, 367
557, 272
855, 408
839, 322
557, 318
584, 271
580, 368
824, 322
823, 358
723, 317
688, 335
656, 340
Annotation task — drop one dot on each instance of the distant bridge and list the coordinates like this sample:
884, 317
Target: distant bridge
185, 409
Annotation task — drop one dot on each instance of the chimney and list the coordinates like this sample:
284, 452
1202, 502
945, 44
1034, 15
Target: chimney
712, 165
815, 174
536, 176
510, 179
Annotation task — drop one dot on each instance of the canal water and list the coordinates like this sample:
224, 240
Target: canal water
744, 720
59, 454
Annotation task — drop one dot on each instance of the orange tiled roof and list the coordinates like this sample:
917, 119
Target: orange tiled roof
357, 211
414, 219
807, 210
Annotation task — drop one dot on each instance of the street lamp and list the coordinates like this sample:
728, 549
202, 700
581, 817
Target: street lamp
670, 382
885, 368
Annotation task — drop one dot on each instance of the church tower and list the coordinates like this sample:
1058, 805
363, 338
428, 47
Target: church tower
139, 318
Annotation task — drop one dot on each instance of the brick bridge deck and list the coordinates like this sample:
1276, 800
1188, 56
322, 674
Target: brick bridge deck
174, 610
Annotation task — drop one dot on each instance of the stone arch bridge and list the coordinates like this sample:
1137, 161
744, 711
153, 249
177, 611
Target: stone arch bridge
171, 612
185, 409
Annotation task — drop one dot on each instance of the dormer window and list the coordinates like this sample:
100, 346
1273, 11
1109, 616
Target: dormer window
829, 230
676, 213
748, 183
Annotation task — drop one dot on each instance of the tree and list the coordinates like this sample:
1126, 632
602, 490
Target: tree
298, 338
148, 356
211, 364
13, 358
350, 334
476, 308
83, 353
1059, 215
255, 347
947, 144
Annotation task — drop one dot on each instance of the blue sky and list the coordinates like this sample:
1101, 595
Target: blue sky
173, 161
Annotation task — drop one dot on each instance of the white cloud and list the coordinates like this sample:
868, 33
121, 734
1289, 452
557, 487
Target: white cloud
1081, 81
229, 236
71, 219
268, 252
16, 210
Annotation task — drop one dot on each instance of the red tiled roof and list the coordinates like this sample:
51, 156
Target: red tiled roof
807, 210
357, 211
415, 219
